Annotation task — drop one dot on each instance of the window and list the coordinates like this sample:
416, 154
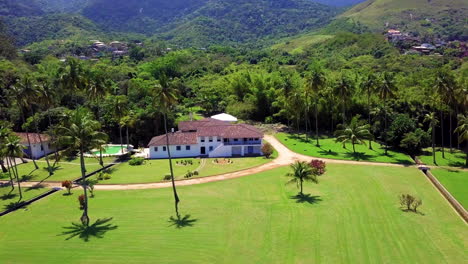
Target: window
256, 139
226, 140
178, 148
219, 139
202, 139
164, 148
42, 148
210, 139
187, 147
48, 145
245, 139
211, 148
156, 149
236, 139
250, 139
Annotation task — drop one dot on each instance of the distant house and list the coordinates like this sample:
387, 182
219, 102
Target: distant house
225, 117
35, 150
208, 138
425, 48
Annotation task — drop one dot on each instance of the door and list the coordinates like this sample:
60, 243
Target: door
203, 151
250, 150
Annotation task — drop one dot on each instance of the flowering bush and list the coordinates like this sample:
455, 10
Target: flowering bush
318, 166
81, 200
68, 185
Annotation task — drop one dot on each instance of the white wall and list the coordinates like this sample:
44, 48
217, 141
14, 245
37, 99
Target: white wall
183, 153
38, 153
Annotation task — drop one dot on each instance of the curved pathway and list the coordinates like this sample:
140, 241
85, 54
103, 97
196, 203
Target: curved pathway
285, 158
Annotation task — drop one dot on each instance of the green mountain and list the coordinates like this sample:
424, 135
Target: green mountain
446, 18
62, 5
210, 21
17, 8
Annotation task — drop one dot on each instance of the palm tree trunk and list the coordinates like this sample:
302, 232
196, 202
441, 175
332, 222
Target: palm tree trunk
17, 179
101, 162
176, 197
442, 132
451, 131
84, 217
121, 139
385, 127
56, 156
9, 174
29, 141
43, 148
316, 124
2, 164
306, 116
128, 138
301, 185
369, 115
433, 145
354, 149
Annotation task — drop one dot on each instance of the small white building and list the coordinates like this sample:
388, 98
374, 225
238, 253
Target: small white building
225, 117
35, 150
208, 138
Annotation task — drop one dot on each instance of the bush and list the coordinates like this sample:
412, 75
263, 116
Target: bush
68, 185
195, 173
318, 166
267, 150
104, 176
136, 161
410, 202
4, 175
167, 177
81, 200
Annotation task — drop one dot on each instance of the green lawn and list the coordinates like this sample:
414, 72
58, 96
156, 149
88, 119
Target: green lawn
9, 198
67, 169
455, 181
352, 216
455, 159
332, 150
155, 170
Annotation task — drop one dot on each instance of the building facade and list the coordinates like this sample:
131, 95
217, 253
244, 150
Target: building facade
35, 150
208, 138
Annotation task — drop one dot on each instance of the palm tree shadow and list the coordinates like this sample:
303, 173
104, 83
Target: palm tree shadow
306, 198
179, 222
97, 230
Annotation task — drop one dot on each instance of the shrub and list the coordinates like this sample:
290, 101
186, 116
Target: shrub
189, 174
318, 166
167, 177
4, 175
81, 200
410, 202
104, 176
195, 173
267, 150
136, 161
68, 185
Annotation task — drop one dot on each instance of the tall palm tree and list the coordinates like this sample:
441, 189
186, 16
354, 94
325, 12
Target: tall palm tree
355, 133
432, 120
316, 82
82, 133
5, 132
301, 171
445, 87
14, 149
120, 106
128, 121
386, 91
462, 130
369, 85
71, 76
344, 88
25, 92
165, 98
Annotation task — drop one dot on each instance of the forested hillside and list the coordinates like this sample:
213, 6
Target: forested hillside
339, 2
19, 8
446, 18
62, 5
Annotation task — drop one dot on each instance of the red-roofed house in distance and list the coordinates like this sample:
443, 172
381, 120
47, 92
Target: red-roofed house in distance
208, 138
36, 150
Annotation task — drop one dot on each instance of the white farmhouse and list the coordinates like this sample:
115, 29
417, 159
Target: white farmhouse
208, 138
35, 150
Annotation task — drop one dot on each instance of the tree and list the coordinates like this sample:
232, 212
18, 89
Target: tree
301, 171
81, 133
120, 109
14, 150
316, 81
68, 185
267, 149
413, 142
369, 85
129, 121
5, 132
355, 132
445, 87
462, 130
386, 91
165, 97
432, 120
344, 88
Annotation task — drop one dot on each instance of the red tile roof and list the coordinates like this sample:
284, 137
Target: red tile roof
177, 138
206, 128
33, 137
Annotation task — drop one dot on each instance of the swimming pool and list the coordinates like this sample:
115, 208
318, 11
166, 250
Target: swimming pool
111, 150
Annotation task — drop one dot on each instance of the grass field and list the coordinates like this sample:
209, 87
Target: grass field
455, 159
296, 45
155, 170
351, 216
455, 181
67, 169
332, 150
9, 198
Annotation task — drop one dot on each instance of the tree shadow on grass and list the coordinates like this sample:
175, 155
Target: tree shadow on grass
306, 198
97, 230
8, 196
329, 152
359, 156
35, 187
181, 222
14, 205
411, 211
404, 162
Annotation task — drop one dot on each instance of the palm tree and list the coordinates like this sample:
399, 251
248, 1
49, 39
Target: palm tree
445, 87
386, 91
432, 120
24, 92
462, 130
81, 133
120, 106
355, 133
345, 89
5, 132
316, 82
71, 76
369, 85
128, 121
165, 98
301, 171
14, 149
